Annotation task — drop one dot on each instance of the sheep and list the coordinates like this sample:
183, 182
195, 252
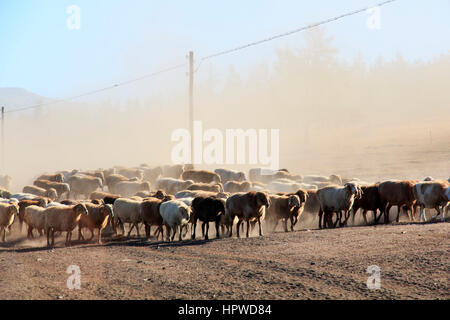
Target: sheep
113, 179
7, 212
206, 187
235, 186
96, 174
84, 185
281, 207
34, 217
202, 176
171, 185
369, 201
428, 178
101, 195
337, 199
64, 219
150, 215
174, 213
283, 186
230, 175
314, 179
199, 193
57, 177
152, 174
4, 193
5, 182
432, 195
50, 193
247, 206
127, 211
131, 173
207, 210
61, 188
396, 193
267, 176
97, 218
130, 188
23, 204
172, 171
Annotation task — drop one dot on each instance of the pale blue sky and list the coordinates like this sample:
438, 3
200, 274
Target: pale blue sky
119, 39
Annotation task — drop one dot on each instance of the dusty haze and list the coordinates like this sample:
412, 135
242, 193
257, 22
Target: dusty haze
387, 120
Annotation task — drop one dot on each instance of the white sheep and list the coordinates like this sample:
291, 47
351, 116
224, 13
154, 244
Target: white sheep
174, 213
7, 212
337, 199
127, 211
34, 217
230, 175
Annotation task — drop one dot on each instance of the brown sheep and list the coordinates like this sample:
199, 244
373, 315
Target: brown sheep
97, 218
235, 186
206, 187
151, 217
61, 188
282, 207
247, 206
131, 173
96, 195
57, 177
203, 176
396, 193
62, 218
50, 193
370, 201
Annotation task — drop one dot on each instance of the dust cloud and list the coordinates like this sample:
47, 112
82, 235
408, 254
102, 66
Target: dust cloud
385, 120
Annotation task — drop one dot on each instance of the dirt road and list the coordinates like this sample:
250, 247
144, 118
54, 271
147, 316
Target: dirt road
305, 264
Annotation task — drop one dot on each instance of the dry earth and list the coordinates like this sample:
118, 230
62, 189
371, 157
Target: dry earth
305, 264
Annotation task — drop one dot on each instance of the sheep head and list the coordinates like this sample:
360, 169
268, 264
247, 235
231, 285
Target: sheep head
262, 199
294, 201
80, 209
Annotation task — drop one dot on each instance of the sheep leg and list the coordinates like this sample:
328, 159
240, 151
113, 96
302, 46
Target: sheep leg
275, 225
248, 227
260, 226
30, 232
4, 233
194, 226
386, 213
80, 234
364, 213
147, 231
217, 230
294, 220
181, 231
92, 234
285, 224
48, 237
207, 230
174, 230
99, 241
237, 229
437, 210
320, 218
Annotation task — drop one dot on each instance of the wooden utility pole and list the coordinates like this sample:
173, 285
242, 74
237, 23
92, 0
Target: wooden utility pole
191, 102
2, 169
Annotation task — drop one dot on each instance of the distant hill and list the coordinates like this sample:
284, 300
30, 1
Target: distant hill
13, 98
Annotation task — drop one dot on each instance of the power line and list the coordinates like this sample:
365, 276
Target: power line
205, 58
99, 90
284, 34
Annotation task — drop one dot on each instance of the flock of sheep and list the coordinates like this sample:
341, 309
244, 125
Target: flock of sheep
175, 197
